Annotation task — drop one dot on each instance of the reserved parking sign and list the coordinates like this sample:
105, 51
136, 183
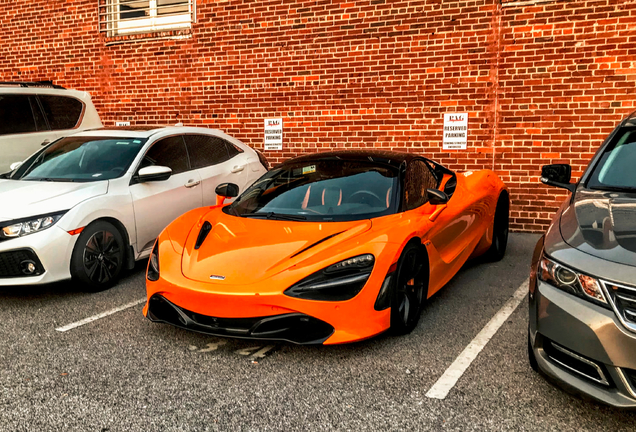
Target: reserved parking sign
455, 131
274, 134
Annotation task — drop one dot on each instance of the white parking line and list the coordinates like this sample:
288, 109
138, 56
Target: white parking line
447, 381
99, 316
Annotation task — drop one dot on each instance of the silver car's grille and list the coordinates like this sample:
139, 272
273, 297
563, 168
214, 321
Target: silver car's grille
623, 301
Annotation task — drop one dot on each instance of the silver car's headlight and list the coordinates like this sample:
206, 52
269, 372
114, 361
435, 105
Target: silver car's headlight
571, 281
26, 226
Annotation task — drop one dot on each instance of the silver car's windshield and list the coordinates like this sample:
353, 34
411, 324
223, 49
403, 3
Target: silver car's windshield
615, 168
81, 159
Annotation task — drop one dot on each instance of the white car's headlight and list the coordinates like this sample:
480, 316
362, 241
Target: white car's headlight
26, 226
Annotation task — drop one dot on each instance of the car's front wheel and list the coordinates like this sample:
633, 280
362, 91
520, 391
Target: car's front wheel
98, 256
409, 290
532, 359
500, 229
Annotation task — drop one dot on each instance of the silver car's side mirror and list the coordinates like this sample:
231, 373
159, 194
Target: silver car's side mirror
153, 174
15, 165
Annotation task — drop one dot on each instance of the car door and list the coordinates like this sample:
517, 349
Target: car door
156, 204
217, 161
22, 128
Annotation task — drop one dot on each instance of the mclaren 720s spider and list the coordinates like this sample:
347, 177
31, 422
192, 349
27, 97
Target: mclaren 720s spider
325, 248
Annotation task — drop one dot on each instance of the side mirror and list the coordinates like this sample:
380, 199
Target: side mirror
436, 197
227, 190
558, 175
15, 165
153, 173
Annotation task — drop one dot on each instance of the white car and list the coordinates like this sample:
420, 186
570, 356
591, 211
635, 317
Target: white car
90, 204
33, 114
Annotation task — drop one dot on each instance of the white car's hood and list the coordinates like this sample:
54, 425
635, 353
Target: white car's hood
20, 199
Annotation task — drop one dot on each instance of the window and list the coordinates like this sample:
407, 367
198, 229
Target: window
81, 159
206, 150
127, 17
16, 115
322, 190
169, 152
40, 122
418, 179
61, 112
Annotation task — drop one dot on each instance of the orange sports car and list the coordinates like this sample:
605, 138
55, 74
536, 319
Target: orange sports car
325, 248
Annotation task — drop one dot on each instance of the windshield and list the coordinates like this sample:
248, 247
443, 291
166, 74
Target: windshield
614, 169
333, 190
81, 159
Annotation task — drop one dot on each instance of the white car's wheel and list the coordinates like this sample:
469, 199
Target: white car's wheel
98, 256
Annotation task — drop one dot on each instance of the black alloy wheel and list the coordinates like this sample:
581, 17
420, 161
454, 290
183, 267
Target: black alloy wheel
409, 290
501, 225
98, 257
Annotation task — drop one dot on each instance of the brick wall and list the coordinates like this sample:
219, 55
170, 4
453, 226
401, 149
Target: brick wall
543, 81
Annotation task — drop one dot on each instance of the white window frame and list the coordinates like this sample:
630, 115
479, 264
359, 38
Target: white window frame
113, 25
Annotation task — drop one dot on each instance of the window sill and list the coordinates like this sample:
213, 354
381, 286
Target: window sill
148, 36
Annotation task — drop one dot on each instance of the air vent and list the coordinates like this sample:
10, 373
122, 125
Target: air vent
576, 363
205, 230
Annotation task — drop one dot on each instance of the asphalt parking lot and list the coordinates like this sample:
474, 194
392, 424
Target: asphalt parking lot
121, 372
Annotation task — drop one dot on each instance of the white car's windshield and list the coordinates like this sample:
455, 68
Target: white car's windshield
81, 159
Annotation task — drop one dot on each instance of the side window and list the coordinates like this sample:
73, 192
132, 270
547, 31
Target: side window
16, 115
232, 149
169, 152
40, 122
205, 150
61, 112
418, 179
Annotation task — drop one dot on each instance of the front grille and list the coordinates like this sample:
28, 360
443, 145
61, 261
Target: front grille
294, 327
13, 263
577, 363
623, 300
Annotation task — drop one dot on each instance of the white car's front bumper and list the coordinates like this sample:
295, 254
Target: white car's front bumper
52, 248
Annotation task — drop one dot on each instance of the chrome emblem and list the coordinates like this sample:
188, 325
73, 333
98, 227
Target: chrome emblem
217, 277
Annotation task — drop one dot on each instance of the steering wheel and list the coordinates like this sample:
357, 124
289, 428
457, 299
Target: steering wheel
364, 197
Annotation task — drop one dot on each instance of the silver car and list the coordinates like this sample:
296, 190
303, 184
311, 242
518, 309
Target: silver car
582, 329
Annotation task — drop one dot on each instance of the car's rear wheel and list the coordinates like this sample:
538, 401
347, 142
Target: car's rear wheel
98, 256
409, 290
501, 225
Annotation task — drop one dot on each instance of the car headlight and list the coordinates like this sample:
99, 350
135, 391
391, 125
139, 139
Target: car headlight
153, 264
26, 226
571, 281
338, 282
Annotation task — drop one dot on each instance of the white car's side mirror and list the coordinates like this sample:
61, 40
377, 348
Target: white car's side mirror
153, 173
15, 166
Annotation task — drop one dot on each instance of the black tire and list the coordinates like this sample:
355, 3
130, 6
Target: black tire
532, 359
98, 257
501, 225
409, 290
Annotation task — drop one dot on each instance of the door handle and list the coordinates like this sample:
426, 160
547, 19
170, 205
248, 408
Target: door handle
238, 168
192, 183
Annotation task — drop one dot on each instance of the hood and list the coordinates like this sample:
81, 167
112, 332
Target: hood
602, 224
245, 251
20, 199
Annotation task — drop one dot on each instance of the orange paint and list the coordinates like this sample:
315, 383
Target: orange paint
260, 259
